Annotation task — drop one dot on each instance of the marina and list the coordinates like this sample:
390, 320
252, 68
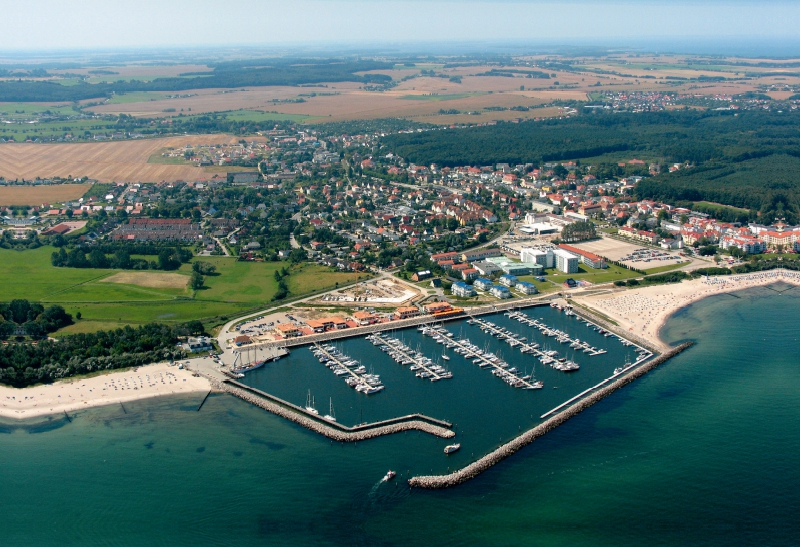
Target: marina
483, 359
423, 366
356, 375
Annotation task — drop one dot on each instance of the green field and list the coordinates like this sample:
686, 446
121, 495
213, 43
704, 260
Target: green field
667, 268
235, 288
612, 273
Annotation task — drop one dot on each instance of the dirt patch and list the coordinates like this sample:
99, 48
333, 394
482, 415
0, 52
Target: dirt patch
123, 161
39, 195
150, 280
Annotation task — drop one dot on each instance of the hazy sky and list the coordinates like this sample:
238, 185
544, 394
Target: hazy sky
118, 24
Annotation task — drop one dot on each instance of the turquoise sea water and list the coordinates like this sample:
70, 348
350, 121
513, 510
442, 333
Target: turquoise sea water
702, 451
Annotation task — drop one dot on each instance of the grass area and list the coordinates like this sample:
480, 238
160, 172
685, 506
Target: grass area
25, 111
612, 273
667, 268
255, 116
166, 160
236, 288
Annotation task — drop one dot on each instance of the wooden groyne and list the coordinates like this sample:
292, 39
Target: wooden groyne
476, 468
334, 430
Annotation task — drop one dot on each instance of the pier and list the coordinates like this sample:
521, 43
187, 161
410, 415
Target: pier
479, 466
342, 365
468, 350
335, 430
545, 357
406, 356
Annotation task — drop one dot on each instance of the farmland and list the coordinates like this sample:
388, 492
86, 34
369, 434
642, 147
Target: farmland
36, 195
110, 298
122, 161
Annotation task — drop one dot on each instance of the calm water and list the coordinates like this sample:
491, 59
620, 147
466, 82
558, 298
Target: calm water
703, 451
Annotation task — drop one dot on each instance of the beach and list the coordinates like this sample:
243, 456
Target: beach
644, 311
112, 387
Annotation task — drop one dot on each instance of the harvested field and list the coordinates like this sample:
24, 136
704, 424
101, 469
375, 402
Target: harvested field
38, 195
152, 280
122, 161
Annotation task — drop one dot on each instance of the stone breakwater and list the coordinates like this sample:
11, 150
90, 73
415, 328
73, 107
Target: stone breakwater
339, 433
476, 468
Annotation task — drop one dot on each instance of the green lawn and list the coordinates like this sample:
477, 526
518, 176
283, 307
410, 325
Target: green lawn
236, 288
585, 273
667, 268
137, 97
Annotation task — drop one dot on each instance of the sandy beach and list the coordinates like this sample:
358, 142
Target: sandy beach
644, 311
111, 388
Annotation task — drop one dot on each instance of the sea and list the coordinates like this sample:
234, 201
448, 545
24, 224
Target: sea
704, 450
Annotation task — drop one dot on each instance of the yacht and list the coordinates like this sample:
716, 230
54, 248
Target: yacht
330, 416
310, 404
388, 476
450, 448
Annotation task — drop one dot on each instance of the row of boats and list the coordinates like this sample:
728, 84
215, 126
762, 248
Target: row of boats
482, 357
421, 365
561, 336
355, 374
545, 356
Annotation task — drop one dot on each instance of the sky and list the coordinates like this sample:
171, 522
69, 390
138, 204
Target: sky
117, 24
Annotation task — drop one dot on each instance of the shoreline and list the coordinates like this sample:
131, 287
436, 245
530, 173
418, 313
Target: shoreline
72, 394
644, 311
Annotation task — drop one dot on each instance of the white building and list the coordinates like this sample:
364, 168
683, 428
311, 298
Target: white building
499, 291
462, 289
566, 261
545, 258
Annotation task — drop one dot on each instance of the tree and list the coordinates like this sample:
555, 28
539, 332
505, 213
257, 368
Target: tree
196, 281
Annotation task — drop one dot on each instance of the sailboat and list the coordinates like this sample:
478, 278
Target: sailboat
310, 404
330, 416
444, 355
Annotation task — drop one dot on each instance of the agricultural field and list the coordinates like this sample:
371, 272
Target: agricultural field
111, 298
37, 195
118, 161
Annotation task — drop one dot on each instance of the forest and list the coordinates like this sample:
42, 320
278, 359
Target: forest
257, 72
25, 364
693, 136
35, 319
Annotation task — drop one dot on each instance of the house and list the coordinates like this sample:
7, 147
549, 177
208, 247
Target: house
484, 267
421, 276
201, 343
242, 340
482, 284
480, 254
463, 290
508, 280
469, 273
499, 291
526, 288
406, 312
287, 330
364, 318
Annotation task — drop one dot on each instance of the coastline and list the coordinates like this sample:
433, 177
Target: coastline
644, 311
72, 394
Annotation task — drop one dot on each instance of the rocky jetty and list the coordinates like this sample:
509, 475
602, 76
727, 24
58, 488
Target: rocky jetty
484, 463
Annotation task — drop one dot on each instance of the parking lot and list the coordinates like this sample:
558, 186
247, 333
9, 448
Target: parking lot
631, 254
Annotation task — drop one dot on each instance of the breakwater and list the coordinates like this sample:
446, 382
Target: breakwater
479, 466
333, 430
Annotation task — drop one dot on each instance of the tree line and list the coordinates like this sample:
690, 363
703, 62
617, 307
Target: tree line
34, 318
167, 259
266, 72
23, 365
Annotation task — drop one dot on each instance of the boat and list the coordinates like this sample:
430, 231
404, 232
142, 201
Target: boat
330, 416
388, 476
445, 357
310, 404
450, 448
